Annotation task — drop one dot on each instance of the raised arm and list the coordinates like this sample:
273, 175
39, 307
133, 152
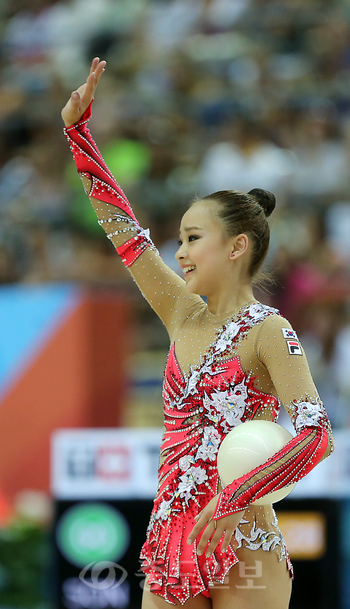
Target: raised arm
164, 290
280, 351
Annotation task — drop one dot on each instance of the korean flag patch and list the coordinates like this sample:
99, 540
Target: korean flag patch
288, 333
294, 347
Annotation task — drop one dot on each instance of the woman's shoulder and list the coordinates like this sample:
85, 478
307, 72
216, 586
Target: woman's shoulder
257, 314
275, 319
275, 330
194, 313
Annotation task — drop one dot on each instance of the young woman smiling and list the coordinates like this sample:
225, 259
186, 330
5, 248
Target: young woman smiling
230, 360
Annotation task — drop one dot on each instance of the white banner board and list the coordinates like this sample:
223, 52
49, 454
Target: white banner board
105, 463
123, 463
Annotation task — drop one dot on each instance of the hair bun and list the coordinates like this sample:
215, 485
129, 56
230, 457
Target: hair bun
266, 200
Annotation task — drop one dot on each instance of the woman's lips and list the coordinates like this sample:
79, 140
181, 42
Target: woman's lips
188, 270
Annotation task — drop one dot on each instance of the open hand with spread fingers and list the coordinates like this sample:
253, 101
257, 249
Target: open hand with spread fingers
214, 529
82, 97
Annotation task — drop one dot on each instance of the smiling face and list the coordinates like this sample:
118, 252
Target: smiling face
204, 252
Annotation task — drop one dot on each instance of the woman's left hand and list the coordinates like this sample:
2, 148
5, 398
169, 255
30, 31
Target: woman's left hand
226, 525
82, 97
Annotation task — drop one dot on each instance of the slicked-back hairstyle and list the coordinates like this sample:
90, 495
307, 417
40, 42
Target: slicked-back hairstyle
247, 213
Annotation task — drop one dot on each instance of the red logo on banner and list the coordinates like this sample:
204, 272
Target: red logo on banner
113, 462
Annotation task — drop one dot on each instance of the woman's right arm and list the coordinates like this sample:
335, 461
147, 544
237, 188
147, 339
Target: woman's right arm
164, 290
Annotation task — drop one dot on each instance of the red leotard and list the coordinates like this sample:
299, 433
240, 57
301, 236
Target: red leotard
221, 370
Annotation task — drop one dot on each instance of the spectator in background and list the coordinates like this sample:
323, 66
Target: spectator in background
322, 163
245, 159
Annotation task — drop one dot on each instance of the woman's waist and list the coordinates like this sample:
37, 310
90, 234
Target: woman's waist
255, 518
186, 477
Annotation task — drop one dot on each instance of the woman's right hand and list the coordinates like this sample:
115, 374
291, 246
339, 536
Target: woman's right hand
80, 99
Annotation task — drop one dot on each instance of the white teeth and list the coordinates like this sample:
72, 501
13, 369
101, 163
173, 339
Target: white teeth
188, 268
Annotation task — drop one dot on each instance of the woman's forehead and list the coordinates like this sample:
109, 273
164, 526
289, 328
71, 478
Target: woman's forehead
200, 214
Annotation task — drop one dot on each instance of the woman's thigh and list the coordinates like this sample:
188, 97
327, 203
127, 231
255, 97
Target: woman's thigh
153, 601
258, 581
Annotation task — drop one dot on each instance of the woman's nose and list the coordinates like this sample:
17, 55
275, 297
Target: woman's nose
180, 254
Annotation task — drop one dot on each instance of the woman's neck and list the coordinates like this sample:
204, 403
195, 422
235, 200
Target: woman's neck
230, 301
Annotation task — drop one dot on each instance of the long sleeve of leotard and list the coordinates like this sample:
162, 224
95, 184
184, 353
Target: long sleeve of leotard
279, 350
163, 288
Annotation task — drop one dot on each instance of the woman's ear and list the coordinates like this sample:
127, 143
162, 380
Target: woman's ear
239, 246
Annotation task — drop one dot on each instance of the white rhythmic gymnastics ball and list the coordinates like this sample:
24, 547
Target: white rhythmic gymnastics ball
246, 447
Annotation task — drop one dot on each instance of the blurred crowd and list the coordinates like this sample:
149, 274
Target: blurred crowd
198, 96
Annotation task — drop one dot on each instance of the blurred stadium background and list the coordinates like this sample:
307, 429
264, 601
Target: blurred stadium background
199, 95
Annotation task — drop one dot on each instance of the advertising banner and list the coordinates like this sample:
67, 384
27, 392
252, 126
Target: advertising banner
104, 482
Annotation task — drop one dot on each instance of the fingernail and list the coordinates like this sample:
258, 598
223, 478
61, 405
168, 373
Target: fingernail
199, 552
196, 517
75, 94
208, 554
189, 541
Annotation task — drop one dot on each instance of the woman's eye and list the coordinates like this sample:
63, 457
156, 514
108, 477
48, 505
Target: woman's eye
190, 238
